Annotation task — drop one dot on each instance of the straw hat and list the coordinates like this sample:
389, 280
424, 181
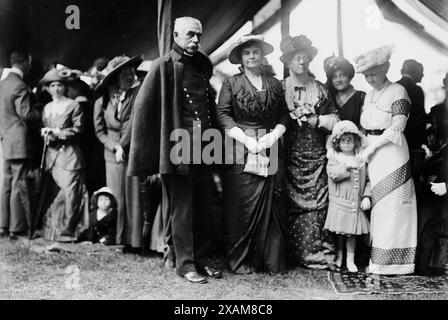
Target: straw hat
373, 58
235, 51
54, 75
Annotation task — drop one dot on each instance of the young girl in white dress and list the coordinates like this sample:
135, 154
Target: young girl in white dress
349, 190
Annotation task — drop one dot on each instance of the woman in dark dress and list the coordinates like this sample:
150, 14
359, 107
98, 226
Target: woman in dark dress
112, 120
349, 101
314, 116
251, 103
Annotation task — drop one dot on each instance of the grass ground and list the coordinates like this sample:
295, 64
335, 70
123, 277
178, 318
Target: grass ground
107, 274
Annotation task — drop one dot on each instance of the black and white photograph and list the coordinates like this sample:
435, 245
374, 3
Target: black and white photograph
223, 150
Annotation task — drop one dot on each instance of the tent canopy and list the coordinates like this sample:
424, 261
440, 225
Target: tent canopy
109, 28
439, 8
114, 27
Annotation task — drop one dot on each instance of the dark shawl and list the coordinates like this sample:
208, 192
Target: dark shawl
157, 112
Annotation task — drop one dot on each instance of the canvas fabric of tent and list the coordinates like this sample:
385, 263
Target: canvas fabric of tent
109, 28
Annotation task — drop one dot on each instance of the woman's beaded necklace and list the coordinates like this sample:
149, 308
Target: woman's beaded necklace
381, 93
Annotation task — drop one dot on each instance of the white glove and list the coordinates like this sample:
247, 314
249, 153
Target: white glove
438, 188
367, 153
312, 120
119, 153
252, 145
428, 152
249, 142
268, 140
45, 131
366, 204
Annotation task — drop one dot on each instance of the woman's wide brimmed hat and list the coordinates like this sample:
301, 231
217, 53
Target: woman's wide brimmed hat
291, 45
54, 75
332, 64
99, 64
117, 64
74, 76
143, 68
71, 74
235, 51
373, 58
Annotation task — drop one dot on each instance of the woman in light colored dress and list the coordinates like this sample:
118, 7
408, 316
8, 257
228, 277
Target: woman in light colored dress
394, 206
62, 119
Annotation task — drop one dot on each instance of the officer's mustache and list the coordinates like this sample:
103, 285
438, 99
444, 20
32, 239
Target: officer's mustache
194, 45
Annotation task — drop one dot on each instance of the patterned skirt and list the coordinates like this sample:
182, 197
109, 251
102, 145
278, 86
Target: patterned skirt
309, 244
394, 212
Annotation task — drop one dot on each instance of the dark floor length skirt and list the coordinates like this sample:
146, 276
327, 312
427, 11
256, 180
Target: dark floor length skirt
130, 214
255, 220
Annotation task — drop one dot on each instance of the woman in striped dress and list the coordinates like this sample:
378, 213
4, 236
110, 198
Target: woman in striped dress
394, 213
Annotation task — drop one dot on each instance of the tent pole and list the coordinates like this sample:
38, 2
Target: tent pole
284, 26
164, 25
339, 29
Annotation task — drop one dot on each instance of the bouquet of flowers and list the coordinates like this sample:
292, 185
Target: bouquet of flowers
301, 112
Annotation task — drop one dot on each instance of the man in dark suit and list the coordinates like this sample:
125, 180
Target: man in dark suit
15, 116
415, 131
439, 121
176, 95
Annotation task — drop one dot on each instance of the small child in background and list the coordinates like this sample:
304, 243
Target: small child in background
349, 190
102, 218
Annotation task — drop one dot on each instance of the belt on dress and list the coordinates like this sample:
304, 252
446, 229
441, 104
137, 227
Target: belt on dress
376, 132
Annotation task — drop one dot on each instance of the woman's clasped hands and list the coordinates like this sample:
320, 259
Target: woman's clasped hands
263, 143
253, 145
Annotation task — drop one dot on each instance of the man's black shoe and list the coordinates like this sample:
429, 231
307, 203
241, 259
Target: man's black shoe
3, 233
210, 272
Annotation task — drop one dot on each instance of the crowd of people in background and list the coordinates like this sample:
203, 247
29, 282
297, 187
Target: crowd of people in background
359, 182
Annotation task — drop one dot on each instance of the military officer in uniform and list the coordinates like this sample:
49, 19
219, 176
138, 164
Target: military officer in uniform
176, 95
